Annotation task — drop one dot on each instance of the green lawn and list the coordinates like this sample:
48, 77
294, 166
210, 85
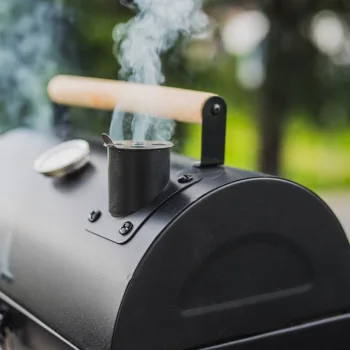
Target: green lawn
315, 158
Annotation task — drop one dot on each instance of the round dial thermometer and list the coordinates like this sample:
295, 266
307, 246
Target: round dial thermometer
63, 159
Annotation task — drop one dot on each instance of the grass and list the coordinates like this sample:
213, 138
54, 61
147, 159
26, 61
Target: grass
313, 157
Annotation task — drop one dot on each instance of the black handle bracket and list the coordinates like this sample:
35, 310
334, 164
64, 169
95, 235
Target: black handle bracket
213, 132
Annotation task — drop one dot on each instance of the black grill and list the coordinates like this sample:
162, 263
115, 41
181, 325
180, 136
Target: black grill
199, 256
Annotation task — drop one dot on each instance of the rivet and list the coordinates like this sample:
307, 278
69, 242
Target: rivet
216, 109
185, 178
94, 215
126, 228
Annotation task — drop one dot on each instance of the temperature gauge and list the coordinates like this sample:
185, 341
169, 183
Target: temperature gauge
63, 159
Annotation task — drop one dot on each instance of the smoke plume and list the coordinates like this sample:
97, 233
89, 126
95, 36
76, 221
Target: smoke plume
139, 44
28, 59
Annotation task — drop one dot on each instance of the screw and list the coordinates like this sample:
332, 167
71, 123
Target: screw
216, 109
126, 228
94, 215
185, 179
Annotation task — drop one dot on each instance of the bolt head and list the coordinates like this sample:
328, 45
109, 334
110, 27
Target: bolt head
185, 178
126, 228
94, 215
216, 109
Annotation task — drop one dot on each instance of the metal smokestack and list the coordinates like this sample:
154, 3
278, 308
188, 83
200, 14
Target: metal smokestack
137, 173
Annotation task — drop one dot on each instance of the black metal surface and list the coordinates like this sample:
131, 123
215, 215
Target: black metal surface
213, 132
71, 280
250, 257
327, 334
109, 227
230, 256
136, 177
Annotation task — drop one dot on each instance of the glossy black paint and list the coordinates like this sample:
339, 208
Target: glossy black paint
232, 255
249, 257
70, 279
106, 227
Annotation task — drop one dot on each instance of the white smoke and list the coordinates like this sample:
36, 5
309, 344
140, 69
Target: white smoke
28, 59
139, 45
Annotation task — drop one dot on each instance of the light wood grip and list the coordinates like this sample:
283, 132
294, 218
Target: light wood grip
173, 103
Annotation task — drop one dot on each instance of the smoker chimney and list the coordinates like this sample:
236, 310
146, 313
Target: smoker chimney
137, 173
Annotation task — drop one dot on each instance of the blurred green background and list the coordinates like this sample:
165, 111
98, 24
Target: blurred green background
282, 66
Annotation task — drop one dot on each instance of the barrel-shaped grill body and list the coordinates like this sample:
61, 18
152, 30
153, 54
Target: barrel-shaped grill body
227, 256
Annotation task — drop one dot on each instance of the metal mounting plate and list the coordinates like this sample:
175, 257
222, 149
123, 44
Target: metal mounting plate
108, 227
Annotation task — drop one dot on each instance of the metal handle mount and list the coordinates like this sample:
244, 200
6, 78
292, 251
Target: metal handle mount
213, 132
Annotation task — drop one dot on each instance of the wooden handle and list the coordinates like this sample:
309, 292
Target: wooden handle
178, 104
